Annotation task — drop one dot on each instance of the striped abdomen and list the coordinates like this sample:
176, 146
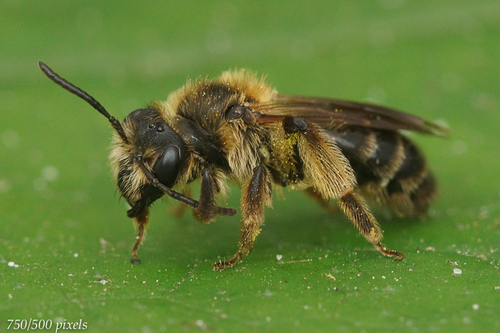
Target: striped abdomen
389, 167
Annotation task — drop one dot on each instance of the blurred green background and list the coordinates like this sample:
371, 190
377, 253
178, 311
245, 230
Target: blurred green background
65, 239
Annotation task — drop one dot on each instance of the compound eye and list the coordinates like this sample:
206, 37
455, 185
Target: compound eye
168, 165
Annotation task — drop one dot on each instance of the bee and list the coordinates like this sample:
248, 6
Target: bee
239, 128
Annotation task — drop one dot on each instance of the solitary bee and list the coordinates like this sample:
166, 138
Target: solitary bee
238, 128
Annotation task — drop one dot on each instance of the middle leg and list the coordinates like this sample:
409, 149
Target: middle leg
257, 194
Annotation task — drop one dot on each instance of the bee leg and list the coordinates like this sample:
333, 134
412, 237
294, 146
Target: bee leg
257, 193
206, 209
357, 211
141, 222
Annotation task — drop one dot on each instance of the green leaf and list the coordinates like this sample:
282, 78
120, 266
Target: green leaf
65, 240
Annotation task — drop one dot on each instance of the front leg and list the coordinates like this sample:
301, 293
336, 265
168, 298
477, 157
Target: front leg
257, 193
140, 222
206, 209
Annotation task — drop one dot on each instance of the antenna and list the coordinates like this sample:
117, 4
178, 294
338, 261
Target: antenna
83, 95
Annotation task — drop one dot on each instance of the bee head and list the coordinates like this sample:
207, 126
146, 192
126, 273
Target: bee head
152, 152
158, 144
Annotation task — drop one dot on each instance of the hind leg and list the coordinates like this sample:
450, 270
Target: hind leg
356, 210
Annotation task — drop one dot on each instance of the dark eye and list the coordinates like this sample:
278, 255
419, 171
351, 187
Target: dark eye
168, 165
